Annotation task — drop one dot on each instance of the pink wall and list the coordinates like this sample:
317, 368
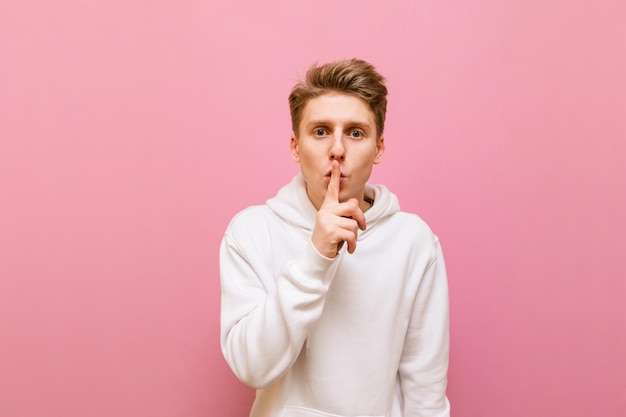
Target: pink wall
132, 131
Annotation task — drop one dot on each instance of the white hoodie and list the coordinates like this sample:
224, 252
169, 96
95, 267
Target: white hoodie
363, 334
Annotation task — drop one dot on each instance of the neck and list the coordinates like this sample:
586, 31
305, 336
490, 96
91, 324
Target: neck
366, 203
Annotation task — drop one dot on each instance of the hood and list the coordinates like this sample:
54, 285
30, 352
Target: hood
292, 204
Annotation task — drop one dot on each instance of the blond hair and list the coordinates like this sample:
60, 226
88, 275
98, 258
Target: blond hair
353, 76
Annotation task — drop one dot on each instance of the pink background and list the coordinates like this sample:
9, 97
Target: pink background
132, 131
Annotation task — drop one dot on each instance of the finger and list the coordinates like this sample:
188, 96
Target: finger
351, 245
351, 210
348, 234
332, 193
349, 238
348, 224
359, 216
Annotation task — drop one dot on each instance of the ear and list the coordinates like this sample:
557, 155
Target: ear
295, 151
380, 149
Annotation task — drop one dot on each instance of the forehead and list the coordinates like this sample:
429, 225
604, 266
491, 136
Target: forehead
337, 108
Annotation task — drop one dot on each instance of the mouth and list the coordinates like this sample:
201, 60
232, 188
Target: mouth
328, 175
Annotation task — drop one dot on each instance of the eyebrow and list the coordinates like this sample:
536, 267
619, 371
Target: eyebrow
351, 123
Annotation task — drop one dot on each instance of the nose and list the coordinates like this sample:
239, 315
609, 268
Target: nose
337, 149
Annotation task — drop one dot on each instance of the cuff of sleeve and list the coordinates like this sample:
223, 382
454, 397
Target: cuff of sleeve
315, 270
323, 256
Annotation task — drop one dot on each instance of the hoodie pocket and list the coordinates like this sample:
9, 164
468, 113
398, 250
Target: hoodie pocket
295, 411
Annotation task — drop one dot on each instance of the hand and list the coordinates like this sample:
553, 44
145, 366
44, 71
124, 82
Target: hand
337, 222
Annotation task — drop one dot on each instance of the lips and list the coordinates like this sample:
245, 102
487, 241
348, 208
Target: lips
327, 178
328, 174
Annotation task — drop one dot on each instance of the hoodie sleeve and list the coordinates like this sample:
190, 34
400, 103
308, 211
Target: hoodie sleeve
266, 319
424, 363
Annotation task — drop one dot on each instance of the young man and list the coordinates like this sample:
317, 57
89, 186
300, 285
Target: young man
334, 302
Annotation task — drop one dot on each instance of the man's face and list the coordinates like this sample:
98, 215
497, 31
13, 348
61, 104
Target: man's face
342, 127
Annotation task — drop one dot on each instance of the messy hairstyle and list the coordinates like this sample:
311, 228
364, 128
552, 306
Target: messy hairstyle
353, 76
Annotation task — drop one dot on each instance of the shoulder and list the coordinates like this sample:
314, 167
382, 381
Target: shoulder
250, 218
413, 223
414, 231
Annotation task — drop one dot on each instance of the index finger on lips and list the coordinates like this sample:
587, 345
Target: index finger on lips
332, 193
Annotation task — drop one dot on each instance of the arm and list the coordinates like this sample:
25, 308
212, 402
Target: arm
424, 362
265, 320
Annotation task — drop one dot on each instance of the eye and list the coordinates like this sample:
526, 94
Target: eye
356, 134
319, 132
